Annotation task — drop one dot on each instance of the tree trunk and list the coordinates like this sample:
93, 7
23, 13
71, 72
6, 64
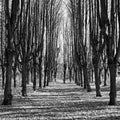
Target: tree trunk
28, 75
75, 75
8, 92
64, 77
51, 76
34, 81
70, 74
105, 77
112, 68
45, 77
48, 77
32, 75
64, 68
14, 75
97, 80
24, 79
78, 82
55, 74
86, 78
3, 76
40, 72
81, 78
85, 83
92, 76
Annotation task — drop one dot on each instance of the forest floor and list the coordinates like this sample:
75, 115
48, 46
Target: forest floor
60, 102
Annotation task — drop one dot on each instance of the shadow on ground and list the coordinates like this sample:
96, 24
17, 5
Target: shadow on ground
61, 102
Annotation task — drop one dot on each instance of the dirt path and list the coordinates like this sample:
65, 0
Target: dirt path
61, 102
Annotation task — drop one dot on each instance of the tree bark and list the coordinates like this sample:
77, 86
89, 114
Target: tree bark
70, 74
28, 75
81, 78
85, 83
45, 77
112, 68
85, 73
14, 75
105, 77
64, 69
75, 75
40, 72
34, 81
55, 73
97, 80
8, 92
3, 76
24, 79
48, 77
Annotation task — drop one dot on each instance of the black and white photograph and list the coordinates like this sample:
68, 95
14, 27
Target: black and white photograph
59, 59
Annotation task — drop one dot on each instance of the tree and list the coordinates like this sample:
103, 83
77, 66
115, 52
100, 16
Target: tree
11, 20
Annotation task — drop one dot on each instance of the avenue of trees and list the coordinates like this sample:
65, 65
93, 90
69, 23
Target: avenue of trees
29, 43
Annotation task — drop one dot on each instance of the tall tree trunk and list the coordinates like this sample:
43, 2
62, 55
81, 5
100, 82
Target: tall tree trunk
24, 79
70, 74
48, 77
14, 75
8, 92
3, 76
81, 78
105, 77
64, 69
64, 77
85, 72
40, 72
97, 80
75, 75
34, 81
28, 75
112, 68
85, 83
78, 82
32, 75
55, 73
45, 77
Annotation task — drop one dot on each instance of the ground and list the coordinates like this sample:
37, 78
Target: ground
60, 102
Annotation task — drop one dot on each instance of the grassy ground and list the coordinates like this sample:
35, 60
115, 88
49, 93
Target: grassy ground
60, 102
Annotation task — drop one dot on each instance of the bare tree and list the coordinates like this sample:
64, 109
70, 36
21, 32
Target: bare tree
11, 20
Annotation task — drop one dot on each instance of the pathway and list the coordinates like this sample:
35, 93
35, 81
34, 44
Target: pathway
60, 102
